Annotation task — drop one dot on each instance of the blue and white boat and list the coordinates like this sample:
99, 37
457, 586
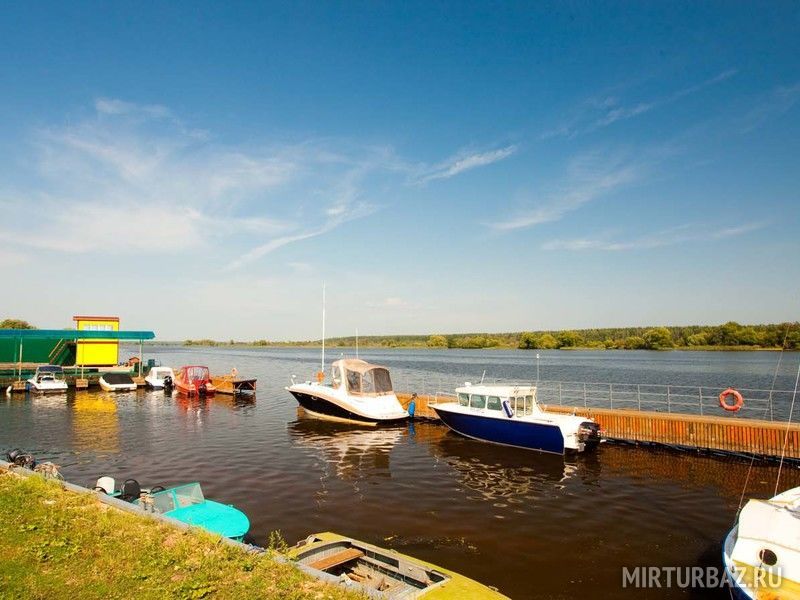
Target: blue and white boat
509, 415
761, 554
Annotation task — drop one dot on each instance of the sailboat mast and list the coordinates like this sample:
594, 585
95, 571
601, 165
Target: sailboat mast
322, 368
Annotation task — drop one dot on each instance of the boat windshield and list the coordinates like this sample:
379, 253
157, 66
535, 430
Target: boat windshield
178, 497
372, 381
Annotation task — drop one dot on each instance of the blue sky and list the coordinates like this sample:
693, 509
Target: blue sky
200, 169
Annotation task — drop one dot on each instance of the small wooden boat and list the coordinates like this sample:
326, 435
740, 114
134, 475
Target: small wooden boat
234, 384
509, 415
185, 503
48, 378
117, 382
160, 378
194, 380
391, 574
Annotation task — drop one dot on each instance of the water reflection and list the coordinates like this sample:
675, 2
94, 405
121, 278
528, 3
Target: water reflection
95, 424
353, 451
499, 474
236, 402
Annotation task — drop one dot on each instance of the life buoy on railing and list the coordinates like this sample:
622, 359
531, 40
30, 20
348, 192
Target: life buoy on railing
320, 376
723, 400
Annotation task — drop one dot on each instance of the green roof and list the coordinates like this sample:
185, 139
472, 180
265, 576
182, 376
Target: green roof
74, 334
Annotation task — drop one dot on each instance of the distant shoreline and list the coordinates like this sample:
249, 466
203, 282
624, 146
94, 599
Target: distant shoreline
728, 337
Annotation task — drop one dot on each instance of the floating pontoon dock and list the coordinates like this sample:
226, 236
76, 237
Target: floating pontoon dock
29, 348
732, 435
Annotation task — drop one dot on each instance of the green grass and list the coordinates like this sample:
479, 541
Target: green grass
59, 544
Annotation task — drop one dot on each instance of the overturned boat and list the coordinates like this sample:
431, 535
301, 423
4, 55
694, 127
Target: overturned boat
384, 573
509, 415
359, 392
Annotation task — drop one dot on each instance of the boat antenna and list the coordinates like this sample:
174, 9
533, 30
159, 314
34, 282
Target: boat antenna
322, 368
482, 376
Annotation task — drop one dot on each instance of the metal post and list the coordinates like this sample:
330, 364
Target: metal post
669, 408
141, 343
20, 360
537, 367
701, 400
560, 403
611, 394
639, 396
771, 416
584, 395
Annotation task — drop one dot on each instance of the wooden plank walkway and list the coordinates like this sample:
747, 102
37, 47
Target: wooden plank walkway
711, 433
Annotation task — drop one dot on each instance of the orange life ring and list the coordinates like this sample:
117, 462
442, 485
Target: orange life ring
736, 406
320, 376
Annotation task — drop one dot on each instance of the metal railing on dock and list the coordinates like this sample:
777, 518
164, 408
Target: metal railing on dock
761, 404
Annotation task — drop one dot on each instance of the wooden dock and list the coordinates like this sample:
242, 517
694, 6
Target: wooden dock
685, 431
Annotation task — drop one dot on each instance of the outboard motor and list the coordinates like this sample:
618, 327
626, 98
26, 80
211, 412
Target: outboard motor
202, 390
168, 382
18, 458
589, 433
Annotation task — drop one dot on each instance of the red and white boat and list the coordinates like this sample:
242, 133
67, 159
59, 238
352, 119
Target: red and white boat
194, 380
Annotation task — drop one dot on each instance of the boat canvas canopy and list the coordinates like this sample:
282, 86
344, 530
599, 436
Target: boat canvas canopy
364, 378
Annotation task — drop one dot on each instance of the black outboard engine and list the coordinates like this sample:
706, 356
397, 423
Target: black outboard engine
589, 433
168, 382
18, 458
202, 390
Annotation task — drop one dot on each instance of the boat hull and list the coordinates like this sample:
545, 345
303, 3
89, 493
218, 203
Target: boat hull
323, 408
507, 432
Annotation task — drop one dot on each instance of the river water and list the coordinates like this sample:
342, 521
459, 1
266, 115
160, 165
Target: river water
532, 525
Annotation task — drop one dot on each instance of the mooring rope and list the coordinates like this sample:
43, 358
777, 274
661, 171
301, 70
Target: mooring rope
788, 424
768, 408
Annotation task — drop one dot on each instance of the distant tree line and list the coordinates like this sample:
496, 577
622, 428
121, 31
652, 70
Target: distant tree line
15, 324
730, 335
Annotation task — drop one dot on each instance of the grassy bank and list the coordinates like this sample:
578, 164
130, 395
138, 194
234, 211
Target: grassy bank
59, 544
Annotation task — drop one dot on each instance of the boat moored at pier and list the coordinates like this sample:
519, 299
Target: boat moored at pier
511, 416
359, 392
160, 378
117, 382
194, 380
48, 378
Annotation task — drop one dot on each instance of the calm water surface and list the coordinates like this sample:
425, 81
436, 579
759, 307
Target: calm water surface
534, 526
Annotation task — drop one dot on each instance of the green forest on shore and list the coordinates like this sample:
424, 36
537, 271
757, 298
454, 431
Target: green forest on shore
728, 336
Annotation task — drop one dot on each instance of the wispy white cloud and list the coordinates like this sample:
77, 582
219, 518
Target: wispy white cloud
771, 105
133, 178
603, 111
589, 177
667, 237
461, 162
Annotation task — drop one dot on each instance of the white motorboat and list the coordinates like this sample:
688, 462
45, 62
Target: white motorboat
761, 554
160, 378
509, 415
117, 382
48, 378
359, 392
